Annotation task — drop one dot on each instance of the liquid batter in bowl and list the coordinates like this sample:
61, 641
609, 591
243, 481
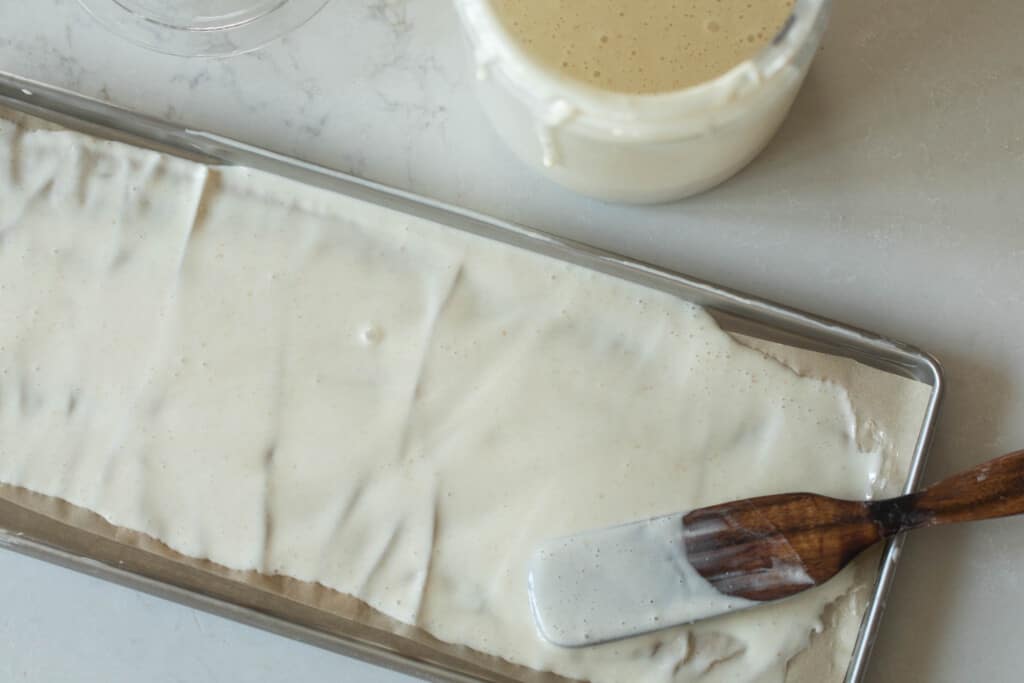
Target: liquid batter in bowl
643, 46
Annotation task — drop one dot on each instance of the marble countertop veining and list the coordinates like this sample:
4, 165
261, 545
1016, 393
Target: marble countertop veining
893, 199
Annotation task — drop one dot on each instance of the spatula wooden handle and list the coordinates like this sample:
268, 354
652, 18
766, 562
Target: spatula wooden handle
992, 489
772, 547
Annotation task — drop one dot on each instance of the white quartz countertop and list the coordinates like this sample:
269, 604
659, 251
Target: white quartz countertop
893, 199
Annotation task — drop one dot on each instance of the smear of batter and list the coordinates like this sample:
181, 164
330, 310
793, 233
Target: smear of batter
277, 378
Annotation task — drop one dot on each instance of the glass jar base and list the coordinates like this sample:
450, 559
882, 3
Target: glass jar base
202, 28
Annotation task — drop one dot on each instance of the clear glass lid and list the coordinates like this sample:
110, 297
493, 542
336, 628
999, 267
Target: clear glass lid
202, 28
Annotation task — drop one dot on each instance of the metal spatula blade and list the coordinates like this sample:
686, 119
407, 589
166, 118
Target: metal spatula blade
618, 582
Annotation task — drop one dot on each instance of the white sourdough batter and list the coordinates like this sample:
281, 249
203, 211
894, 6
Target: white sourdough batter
277, 378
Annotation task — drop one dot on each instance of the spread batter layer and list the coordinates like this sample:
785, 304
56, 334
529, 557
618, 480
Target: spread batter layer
281, 379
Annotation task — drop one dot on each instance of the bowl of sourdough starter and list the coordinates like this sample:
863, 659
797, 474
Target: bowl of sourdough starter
640, 100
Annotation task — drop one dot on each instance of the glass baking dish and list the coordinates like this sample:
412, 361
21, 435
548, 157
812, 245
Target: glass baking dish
27, 527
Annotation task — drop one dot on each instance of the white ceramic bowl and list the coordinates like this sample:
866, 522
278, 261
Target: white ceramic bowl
639, 148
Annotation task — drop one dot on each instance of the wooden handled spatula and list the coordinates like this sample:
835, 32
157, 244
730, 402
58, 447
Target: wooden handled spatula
618, 582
